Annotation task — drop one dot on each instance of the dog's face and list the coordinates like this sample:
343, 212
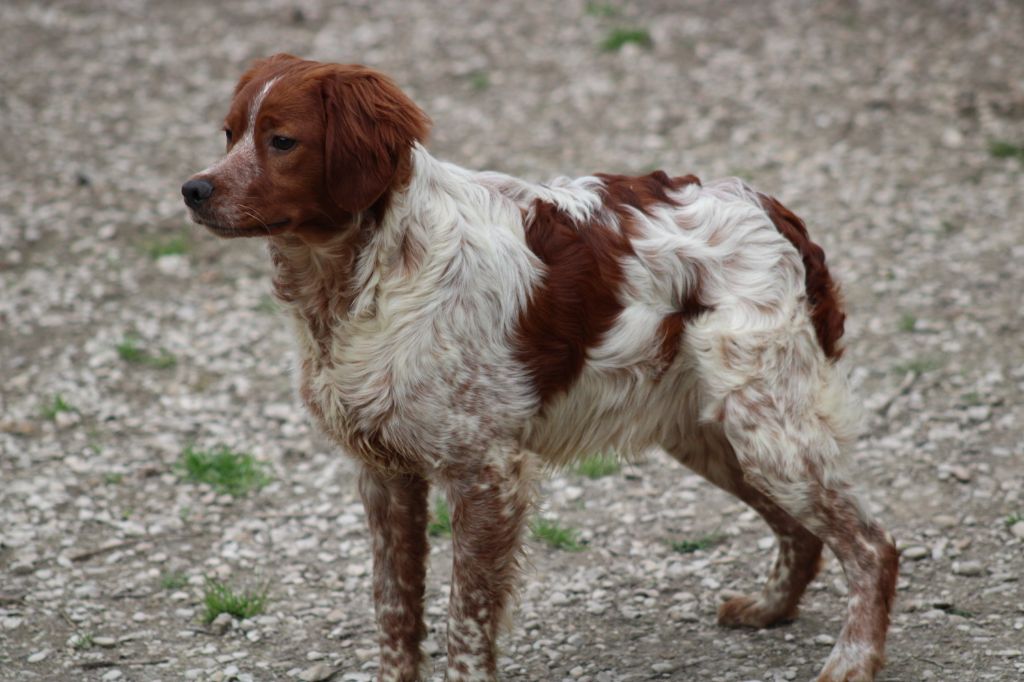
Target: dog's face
308, 146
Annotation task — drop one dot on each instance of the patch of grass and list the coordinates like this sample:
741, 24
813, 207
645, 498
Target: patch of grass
907, 322
918, 366
1014, 518
691, 546
479, 81
552, 534
599, 466
441, 520
618, 37
174, 245
83, 641
1001, 149
235, 473
219, 598
173, 580
601, 9
56, 405
972, 399
129, 350
113, 478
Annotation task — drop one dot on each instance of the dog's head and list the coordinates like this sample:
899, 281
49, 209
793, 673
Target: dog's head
308, 146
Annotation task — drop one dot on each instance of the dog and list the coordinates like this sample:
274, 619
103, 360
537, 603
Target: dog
458, 328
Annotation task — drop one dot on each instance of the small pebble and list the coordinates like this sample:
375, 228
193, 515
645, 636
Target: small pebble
221, 624
316, 673
916, 552
968, 568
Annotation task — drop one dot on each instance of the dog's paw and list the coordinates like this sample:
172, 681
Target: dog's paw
744, 611
851, 663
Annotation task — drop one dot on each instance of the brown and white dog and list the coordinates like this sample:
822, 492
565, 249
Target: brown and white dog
455, 326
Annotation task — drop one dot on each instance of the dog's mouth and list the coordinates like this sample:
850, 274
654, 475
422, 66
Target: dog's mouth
265, 230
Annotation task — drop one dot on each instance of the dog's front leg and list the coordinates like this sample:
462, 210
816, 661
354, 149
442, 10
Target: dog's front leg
490, 501
396, 509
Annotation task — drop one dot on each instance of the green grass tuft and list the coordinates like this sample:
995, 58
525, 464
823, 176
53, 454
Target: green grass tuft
220, 598
691, 546
918, 366
907, 322
598, 466
479, 81
228, 472
1001, 149
83, 641
1014, 518
618, 37
129, 350
554, 535
57, 405
173, 580
441, 520
167, 246
602, 9
972, 399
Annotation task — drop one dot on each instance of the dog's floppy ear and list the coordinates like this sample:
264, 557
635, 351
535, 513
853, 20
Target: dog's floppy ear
370, 127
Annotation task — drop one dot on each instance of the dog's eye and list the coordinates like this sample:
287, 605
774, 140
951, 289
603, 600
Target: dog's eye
227, 135
282, 143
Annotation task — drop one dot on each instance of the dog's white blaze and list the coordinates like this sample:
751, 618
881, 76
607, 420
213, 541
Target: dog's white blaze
238, 168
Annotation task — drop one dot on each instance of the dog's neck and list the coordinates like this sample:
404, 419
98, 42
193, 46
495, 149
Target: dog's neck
333, 278
315, 280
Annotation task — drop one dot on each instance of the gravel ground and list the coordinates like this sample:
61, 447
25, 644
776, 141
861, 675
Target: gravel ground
874, 120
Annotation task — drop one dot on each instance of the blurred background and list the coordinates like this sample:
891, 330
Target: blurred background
156, 471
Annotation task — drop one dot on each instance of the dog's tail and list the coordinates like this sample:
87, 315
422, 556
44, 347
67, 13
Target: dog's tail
823, 293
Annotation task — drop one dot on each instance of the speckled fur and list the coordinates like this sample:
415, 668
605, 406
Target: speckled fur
418, 321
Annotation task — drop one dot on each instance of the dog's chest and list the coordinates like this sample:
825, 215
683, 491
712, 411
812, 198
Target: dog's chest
347, 387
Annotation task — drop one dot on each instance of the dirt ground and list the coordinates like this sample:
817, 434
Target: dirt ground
126, 334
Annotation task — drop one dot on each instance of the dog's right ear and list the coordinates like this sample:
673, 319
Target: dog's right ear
271, 63
370, 127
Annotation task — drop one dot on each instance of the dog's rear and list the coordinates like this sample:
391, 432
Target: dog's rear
452, 323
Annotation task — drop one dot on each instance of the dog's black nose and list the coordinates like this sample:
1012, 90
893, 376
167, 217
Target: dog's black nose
196, 192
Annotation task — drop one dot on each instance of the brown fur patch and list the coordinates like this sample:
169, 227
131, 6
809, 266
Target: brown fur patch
577, 301
371, 129
643, 191
822, 292
671, 328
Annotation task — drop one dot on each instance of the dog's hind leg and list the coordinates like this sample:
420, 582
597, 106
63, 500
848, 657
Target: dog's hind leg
785, 412
396, 509
799, 551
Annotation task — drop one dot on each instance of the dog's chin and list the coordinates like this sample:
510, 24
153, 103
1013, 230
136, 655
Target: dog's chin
231, 231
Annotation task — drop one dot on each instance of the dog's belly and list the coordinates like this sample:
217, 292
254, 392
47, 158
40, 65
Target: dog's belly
624, 411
